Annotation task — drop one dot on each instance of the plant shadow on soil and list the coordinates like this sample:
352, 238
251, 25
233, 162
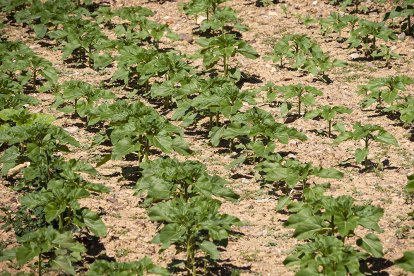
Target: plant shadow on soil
248, 78
290, 118
222, 267
132, 174
375, 266
210, 33
372, 166
241, 176
323, 133
95, 249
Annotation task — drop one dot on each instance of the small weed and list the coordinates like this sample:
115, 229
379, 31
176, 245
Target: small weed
123, 252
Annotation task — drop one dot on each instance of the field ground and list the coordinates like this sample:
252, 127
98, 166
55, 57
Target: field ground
262, 243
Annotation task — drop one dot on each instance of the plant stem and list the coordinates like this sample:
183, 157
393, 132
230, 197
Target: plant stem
374, 42
190, 256
167, 102
83, 55
329, 128
39, 265
366, 140
34, 77
90, 56
76, 109
60, 222
48, 161
225, 65
146, 149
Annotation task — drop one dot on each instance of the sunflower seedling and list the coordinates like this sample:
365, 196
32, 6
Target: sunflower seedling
224, 47
304, 95
384, 90
367, 134
328, 224
328, 113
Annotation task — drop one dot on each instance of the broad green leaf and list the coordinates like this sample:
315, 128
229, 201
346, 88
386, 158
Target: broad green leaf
124, 147
344, 136
369, 216
169, 234
406, 262
410, 184
52, 211
387, 138
40, 30
216, 135
63, 263
210, 248
307, 229
26, 253
164, 143
346, 225
282, 202
330, 173
372, 244
94, 222
361, 154
9, 159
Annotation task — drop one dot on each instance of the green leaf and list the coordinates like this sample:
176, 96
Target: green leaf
312, 114
346, 225
236, 162
9, 159
406, 262
369, 216
26, 253
50, 74
7, 254
360, 155
141, 267
169, 234
308, 228
103, 160
330, 173
52, 211
283, 202
216, 134
40, 30
94, 222
63, 263
372, 244
211, 249
387, 138
123, 147
101, 60
410, 184
164, 143
344, 136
